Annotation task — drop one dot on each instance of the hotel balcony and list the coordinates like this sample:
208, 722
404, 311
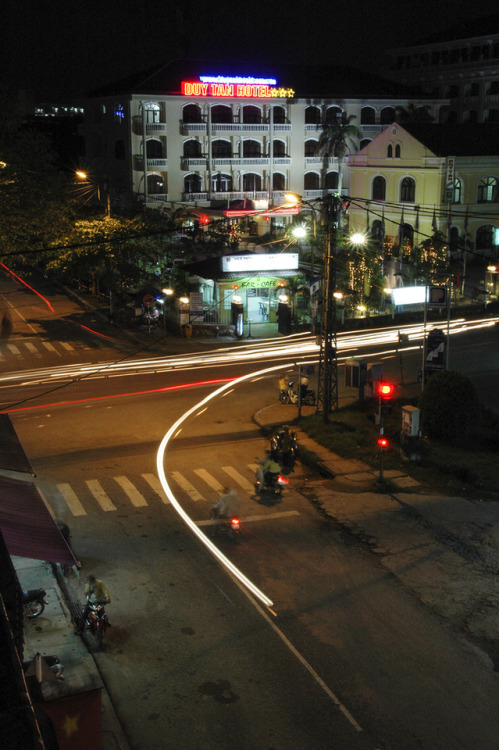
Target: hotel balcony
138, 163
187, 128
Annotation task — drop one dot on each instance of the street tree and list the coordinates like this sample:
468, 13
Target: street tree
337, 139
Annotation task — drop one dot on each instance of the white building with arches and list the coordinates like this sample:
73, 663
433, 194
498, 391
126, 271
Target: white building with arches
186, 135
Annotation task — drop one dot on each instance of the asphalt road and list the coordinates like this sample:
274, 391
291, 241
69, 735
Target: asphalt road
347, 659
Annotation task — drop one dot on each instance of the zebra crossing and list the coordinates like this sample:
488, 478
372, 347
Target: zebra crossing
20, 350
113, 493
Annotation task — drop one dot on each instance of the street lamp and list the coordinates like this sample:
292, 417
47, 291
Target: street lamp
84, 178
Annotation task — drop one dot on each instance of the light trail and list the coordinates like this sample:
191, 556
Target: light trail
160, 458
296, 349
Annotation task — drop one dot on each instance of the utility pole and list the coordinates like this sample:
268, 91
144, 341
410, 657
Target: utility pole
327, 391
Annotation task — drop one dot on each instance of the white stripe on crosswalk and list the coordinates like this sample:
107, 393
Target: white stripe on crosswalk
209, 479
13, 348
238, 478
71, 500
135, 496
50, 347
32, 348
100, 494
186, 486
153, 482
67, 346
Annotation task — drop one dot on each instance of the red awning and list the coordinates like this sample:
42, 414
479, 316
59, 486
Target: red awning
27, 526
12, 455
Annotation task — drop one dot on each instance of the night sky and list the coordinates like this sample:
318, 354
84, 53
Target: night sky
57, 49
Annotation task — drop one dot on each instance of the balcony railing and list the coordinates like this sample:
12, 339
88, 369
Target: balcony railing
189, 162
151, 163
156, 127
157, 198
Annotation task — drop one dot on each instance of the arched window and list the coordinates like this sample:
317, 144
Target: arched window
408, 190
192, 183
389, 151
454, 242
279, 115
379, 188
492, 115
221, 113
333, 114
152, 111
221, 183
367, 116
311, 147
312, 116
407, 233
252, 149
331, 181
311, 181
191, 113
119, 150
397, 151
251, 114
278, 181
456, 190
488, 190
252, 182
154, 149
154, 184
192, 149
221, 149
387, 115
278, 149
485, 237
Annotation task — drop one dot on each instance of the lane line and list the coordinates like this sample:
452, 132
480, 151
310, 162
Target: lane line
136, 498
184, 484
71, 500
249, 519
238, 478
209, 479
100, 494
153, 482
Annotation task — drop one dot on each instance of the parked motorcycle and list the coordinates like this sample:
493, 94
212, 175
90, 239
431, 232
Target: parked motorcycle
97, 621
290, 396
34, 602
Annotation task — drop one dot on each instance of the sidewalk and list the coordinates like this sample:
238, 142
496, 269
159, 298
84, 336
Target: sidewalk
52, 634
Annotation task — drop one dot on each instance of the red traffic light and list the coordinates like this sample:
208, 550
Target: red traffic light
386, 390
383, 442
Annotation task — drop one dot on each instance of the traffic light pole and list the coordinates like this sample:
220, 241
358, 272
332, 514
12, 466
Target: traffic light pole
327, 391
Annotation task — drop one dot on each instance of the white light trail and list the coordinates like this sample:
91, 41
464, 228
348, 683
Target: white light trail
176, 505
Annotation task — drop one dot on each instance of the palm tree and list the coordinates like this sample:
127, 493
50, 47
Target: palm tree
336, 139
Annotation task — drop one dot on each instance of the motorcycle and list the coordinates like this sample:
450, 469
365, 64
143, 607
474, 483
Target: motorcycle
285, 457
269, 483
34, 602
290, 396
230, 525
97, 621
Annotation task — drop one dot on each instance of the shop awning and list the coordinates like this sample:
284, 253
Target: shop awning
27, 526
12, 455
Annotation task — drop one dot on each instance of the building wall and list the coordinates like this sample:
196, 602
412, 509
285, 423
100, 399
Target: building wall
116, 129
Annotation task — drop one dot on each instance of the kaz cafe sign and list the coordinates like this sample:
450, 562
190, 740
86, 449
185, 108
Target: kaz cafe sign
238, 86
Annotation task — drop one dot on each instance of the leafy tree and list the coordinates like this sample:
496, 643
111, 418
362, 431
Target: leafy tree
450, 408
335, 140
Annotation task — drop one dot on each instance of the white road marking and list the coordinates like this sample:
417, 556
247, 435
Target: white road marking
209, 479
13, 349
186, 486
50, 347
153, 481
67, 346
71, 500
249, 519
136, 497
238, 478
32, 348
100, 495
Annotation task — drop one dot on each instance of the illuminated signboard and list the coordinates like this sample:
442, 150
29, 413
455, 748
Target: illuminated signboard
238, 86
260, 262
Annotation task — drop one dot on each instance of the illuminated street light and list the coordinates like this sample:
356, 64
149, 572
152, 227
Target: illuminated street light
84, 177
357, 238
299, 232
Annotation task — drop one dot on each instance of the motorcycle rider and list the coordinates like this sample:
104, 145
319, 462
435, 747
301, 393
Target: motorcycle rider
283, 444
269, 471
227, 506
96, 592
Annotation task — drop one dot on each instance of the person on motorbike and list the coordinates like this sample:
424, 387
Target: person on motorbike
283, 445
96, 592
269, 470
227, 506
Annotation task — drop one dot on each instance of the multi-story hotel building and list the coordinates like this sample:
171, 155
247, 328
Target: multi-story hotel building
188, 134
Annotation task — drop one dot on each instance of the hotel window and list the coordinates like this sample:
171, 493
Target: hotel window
252, 150
191, 113
278, 149
221, 149
251, 114
456, 190
221, 114
311, 181
488, 190
367, 116
311, 148
192, 149
331, 181
279, 115
312, 116
192, 183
